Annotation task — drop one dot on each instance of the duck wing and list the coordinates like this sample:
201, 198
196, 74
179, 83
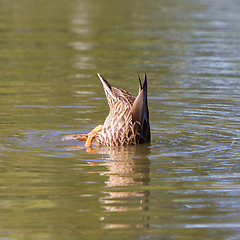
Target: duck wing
140, 114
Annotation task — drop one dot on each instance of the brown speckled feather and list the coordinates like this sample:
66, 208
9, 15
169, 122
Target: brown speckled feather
128, 120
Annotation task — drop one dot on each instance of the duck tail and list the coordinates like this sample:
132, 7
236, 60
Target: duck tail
140, 113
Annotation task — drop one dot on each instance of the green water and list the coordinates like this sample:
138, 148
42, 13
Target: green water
184, 185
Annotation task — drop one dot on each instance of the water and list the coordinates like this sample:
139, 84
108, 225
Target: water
184, 185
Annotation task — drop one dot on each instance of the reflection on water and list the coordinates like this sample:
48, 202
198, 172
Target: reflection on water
125, 192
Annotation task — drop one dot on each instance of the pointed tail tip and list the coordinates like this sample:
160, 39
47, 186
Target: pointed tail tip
99, 75
104, 81
140, 83
101, 78
145, 80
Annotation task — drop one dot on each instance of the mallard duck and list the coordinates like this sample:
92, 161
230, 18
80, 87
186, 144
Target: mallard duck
128, 120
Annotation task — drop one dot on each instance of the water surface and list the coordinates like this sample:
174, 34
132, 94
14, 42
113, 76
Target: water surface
184, 185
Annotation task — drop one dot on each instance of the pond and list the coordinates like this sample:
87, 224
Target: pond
185, 184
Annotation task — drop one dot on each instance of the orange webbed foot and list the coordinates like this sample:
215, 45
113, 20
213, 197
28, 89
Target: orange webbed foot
79, 137
91, 135
84, 137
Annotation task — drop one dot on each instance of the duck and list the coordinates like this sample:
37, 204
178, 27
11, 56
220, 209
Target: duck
128, 120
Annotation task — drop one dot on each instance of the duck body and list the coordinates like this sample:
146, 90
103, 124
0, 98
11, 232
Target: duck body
128, 120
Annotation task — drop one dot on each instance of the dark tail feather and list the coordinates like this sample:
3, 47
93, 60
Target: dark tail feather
140, 84
140, 111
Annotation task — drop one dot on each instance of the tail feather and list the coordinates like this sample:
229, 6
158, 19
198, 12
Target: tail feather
140, 84
140, 111
107, 86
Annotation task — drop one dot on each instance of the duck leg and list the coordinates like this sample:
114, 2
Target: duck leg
84, 137
79, 137
90, 136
